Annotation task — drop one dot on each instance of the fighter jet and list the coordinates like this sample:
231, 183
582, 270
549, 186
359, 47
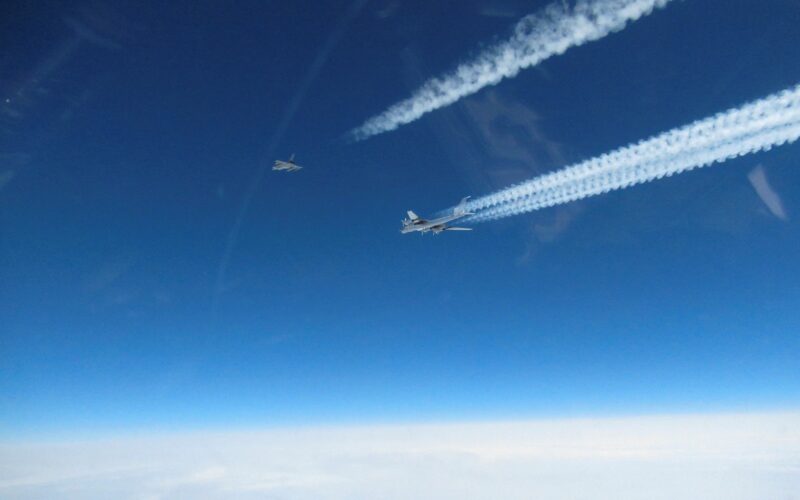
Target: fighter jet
415, 223
287, 166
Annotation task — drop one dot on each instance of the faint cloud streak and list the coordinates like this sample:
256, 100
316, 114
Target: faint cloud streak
288, 114
5, 177
773, 202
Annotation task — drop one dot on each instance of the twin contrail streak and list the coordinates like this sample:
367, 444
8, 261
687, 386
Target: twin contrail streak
536, 37
753, 127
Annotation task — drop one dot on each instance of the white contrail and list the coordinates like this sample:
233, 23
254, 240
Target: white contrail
536, 37
757, 126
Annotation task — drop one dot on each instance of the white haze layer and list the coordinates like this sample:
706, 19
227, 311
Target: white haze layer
757, 126
708, 457
536, 37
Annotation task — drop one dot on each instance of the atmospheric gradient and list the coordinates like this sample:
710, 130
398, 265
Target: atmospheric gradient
225, 269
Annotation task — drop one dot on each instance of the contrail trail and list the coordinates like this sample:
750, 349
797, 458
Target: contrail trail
753, 127
536, 37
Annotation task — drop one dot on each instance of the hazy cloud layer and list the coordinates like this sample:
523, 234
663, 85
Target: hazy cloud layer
735, 456
536, 37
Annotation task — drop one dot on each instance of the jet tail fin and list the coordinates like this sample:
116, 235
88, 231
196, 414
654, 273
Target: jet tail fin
412, 215
461, 208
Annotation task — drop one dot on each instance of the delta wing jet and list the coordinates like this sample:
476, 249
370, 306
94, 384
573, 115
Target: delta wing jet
286, 166
416, 223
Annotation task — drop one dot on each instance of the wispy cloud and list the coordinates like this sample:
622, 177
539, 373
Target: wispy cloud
757, 126
758, 179
5, 177
10, 166
536, 37
339, 30
677, 456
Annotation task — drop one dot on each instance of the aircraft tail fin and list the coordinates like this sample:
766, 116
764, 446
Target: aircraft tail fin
291, 158
412, 215
461, 208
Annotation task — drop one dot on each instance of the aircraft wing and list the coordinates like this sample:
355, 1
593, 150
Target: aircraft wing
285, 165
441, 228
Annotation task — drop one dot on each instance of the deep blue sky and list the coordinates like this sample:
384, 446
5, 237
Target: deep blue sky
126, 152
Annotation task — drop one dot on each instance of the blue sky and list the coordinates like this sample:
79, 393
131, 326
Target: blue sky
127, 153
